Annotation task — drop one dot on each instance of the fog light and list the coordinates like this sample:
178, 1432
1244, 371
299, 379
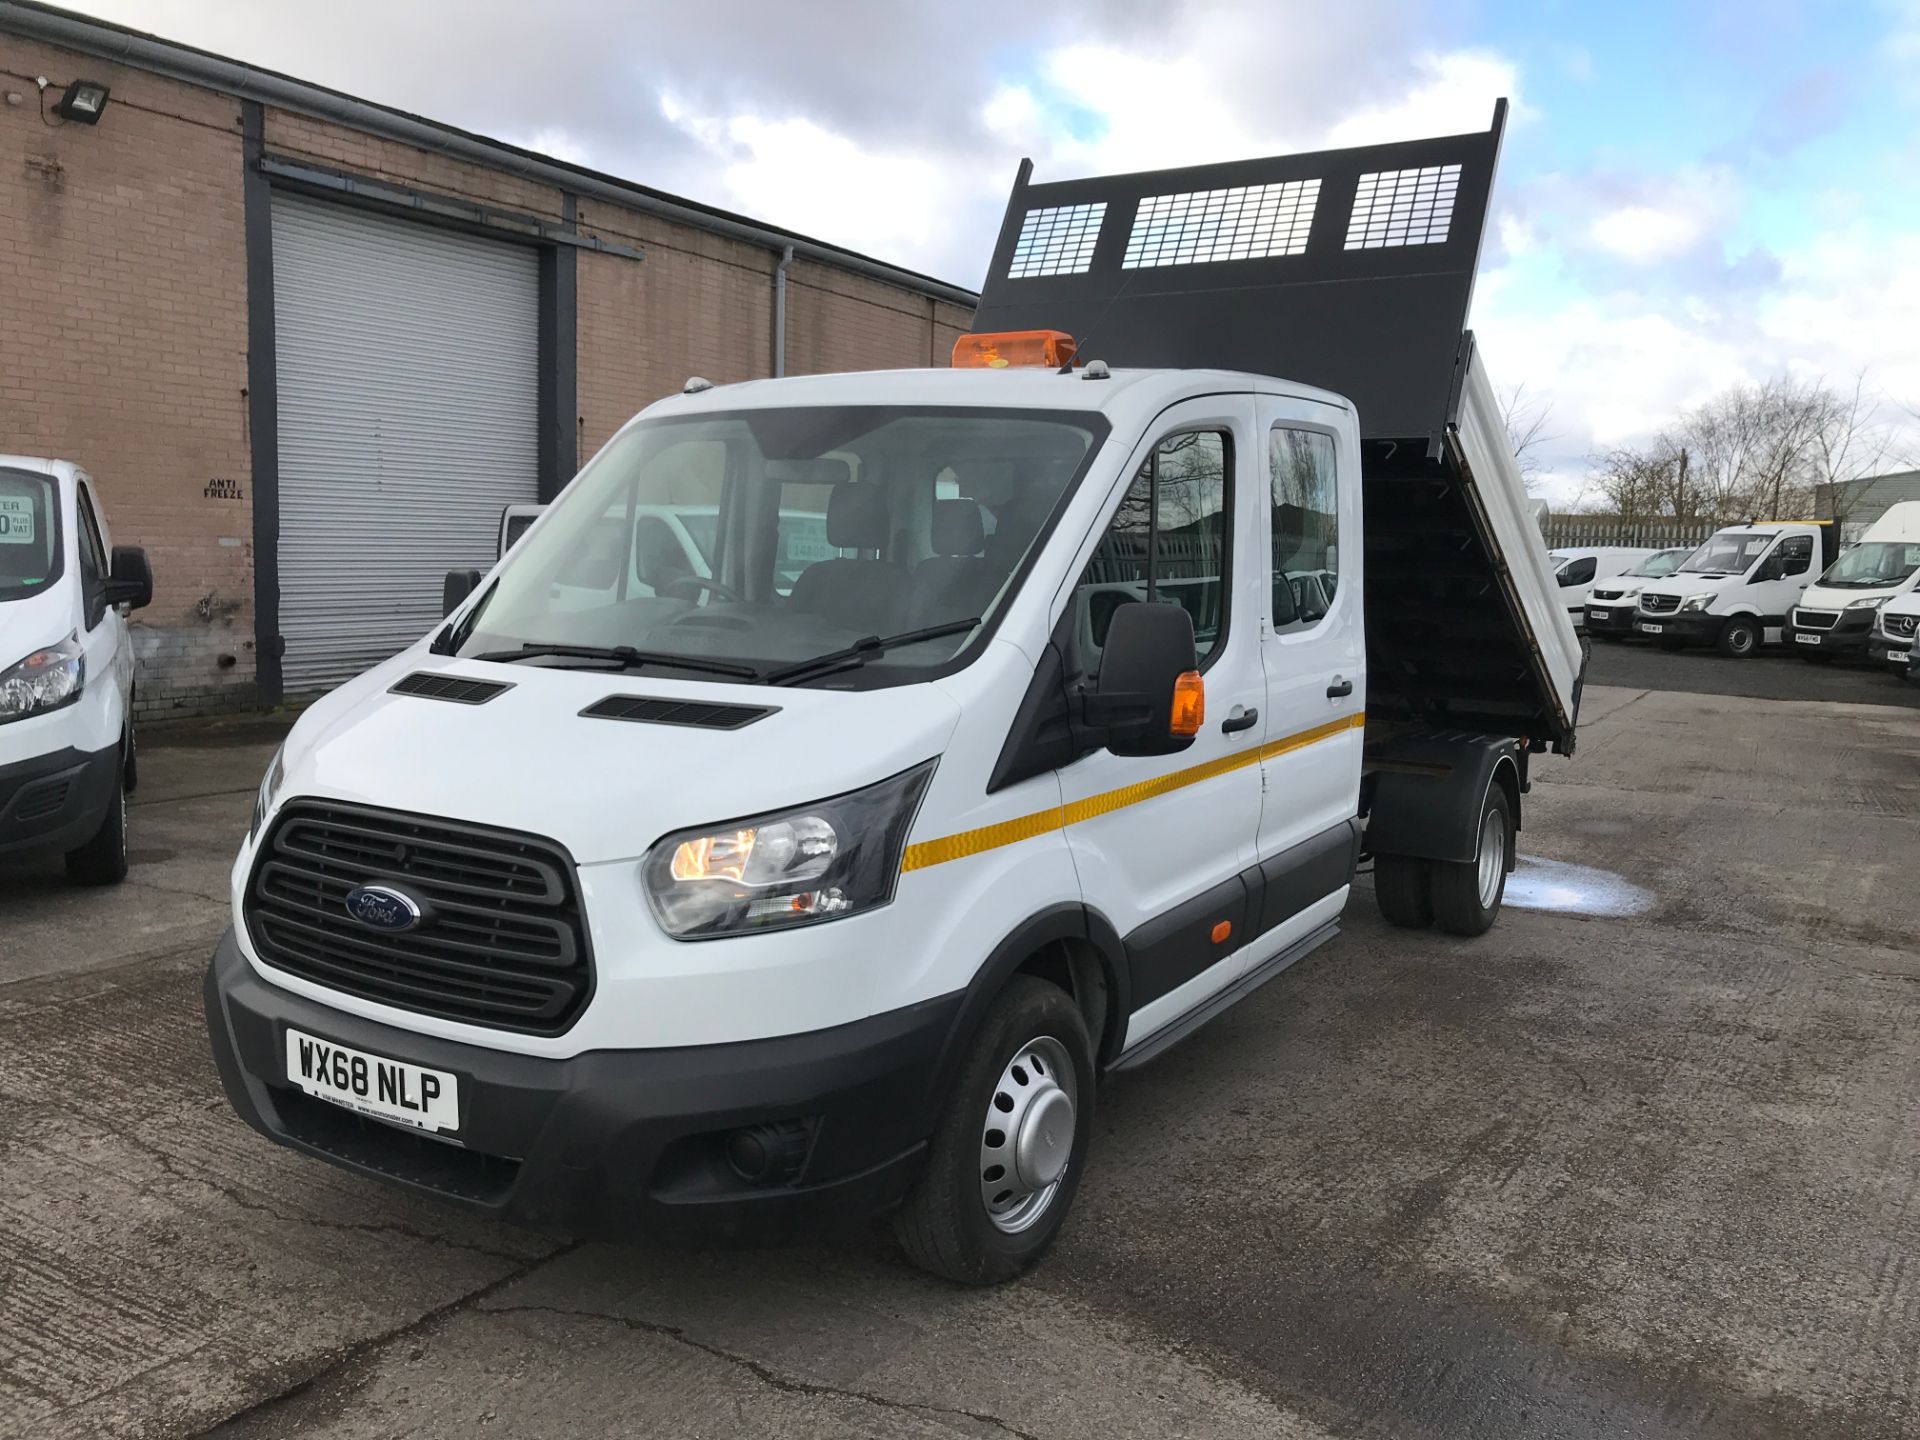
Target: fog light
770, 1154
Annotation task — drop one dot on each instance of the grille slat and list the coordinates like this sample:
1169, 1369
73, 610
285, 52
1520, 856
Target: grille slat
502, 942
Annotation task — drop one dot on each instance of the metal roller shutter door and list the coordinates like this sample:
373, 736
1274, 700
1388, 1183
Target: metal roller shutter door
406, 360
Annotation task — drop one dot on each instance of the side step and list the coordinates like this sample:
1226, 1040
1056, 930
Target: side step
1174, 1031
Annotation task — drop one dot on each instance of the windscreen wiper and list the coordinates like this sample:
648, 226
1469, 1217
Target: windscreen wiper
861, 651
624, 656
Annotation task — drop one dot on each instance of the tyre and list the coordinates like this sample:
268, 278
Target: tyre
130, 771
1009, 1151
1400, 889
103, 859
1466, 896
1739, 639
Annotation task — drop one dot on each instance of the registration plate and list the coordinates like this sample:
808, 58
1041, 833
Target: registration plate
1898, 657
1596, 615
409, 1095
1646, 629
1805, 639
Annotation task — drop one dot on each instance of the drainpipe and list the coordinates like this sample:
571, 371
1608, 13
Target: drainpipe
780, 312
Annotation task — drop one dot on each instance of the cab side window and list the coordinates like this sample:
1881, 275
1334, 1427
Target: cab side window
93, 560
1305, 526
1168, 544
1795, 554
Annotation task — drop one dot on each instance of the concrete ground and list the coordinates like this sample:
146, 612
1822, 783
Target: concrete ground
1598, 1174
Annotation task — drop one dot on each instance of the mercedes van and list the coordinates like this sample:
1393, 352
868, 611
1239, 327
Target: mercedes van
1835, 615
728, 906
1735, 591
66, 670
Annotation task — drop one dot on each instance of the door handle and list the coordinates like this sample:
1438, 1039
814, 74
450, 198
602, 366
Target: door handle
1339, 689
1239, 719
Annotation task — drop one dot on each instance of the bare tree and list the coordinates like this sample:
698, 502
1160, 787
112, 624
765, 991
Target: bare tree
1526, 418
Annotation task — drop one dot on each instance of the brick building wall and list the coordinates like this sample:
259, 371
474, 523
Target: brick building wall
123, 325
123, 346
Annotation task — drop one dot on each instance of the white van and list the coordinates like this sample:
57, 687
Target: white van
1835, 616
66, 670
1736, 590
1577, 570
1611, 603
719, 910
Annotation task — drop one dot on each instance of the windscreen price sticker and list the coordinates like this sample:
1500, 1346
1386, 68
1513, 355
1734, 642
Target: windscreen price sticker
16, 520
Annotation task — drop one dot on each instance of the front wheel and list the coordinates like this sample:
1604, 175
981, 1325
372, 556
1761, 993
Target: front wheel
1009, 1151
1467, 895
103, 859
1740, 638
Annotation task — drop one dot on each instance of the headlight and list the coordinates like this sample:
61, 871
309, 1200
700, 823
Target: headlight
269, 792
45, 680
1870, 603
792, 867
1698, 602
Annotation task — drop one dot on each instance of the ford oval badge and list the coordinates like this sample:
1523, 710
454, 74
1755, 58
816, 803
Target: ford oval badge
383, 908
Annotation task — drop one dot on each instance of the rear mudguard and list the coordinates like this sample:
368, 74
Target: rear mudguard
1425, 793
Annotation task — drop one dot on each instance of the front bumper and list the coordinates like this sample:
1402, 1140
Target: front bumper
55, 802
1848, 635
1896, 655
1690, 627
621, 1144
1610, 619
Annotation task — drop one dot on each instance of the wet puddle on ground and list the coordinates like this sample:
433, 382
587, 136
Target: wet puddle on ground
1538, 884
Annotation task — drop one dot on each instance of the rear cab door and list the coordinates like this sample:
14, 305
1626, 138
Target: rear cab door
1160, 842
1315, 669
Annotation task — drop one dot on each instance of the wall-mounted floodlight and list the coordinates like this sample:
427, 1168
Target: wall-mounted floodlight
84, 101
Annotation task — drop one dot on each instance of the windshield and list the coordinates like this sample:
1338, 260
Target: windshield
29, 534
1874, 565
1728, 553
762, 538
1654, 566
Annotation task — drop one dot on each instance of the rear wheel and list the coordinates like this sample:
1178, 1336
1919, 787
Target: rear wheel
1740, 638
1009, 1151
1467, 895
1400, 890
103, 859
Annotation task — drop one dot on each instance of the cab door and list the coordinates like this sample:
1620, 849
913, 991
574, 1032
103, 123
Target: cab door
1778, 580
1160, 842
1315, 667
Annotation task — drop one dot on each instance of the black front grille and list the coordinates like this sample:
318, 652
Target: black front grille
1608, 594
457, 688
701, 714
1901, 626
1659, 604
1814, 619
501, 941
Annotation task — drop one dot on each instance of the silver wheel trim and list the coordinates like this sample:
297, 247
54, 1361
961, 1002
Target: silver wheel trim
1743, 640
1026, 1138
1493, 857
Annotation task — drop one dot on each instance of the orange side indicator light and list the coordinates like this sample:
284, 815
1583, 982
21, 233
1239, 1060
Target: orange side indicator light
1050, 348
1189, 705
1221, 931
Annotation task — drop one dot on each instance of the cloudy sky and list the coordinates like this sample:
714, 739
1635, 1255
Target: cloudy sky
1691, 193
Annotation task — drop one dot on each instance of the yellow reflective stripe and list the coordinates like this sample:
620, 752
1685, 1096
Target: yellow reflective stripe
1058, 817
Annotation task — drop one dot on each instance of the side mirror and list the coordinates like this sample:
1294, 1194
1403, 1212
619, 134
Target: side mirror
454, 590
129, 578
1148, 699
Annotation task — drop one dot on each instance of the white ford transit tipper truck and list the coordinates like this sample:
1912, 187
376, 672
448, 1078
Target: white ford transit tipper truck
1836, 613
66, 670
711, 910
1735, 591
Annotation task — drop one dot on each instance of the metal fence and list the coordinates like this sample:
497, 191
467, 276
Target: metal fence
1572, 532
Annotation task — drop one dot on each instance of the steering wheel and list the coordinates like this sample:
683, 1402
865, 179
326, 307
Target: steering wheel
701, 582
